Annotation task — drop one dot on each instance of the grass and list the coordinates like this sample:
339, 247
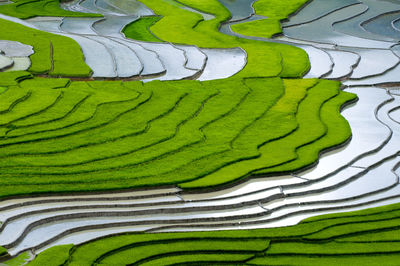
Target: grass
21, 259
12, 78
25, 9
337, 131
364, 259
58, 255
54, 55
275, 11
58, 135
324, 240
3, 251
265, 28
298, 127
139, 29
184, 27
205, 246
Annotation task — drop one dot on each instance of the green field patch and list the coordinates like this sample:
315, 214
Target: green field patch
36, 102
290, 245
58, 255
3, 251
12, 78
184, 27
205, 258
353, 259
25, 9
158, 253
2, 89
275, 11
333, 130
58, 135
54, 55
302, 125
92, 105
385, 236
140, 29
265, 28
19, 260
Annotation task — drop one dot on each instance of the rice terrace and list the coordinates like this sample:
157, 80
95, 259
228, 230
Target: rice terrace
199, 132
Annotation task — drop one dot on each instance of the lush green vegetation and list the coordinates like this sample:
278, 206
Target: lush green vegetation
182, 26
265, 28
58, 135
140, 29
54, 55
24, 9
275, 11
21, 259
305, 123
367, 237
58, 255
215, 132
12, 78
3, 251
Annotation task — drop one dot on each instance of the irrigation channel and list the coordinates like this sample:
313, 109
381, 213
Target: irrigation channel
352, 41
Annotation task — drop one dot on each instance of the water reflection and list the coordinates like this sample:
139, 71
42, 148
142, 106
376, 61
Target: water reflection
361, 174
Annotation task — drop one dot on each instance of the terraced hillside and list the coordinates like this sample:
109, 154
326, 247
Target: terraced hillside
215, 128
366, 237
61, 136
218, 134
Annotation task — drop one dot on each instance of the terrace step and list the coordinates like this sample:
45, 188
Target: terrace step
361, 117
396, 24
348, 184
344, 63
75, 6
321, 62
395, 115
383, 25
80, 26
90, 6
373, 62
112, 26
317, 9
150, 60
20, 63
322, 31
172, 59
127, 64
390, 76
353, 26
350, 191
55, 227
337, 183
223, 63
102, 66
195, 58
239, 9
392, 146
291, 209
131, 7
15, 49
5, 62
108, 9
